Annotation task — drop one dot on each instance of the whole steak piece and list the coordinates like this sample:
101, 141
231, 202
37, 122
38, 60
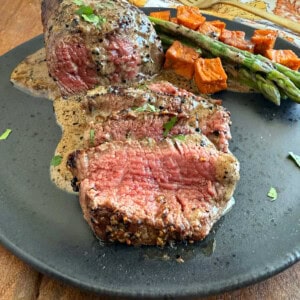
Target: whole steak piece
93, 42
147, 192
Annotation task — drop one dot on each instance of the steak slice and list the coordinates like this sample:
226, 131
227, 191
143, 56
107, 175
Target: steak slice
120, 46
144, 192
136, 125
205, 115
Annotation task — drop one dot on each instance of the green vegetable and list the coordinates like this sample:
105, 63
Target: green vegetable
295, 157
272, 194
5, 134
169, 125
286, 81
146, 107
56, 160
92, 136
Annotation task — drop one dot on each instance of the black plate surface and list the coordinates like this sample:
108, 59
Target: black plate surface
44, 226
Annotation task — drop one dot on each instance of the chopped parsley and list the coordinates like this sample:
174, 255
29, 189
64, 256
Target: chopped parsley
92, 136
272, 194
5, 134
295, 157
56, 160
169, 125
146, 107
87, 13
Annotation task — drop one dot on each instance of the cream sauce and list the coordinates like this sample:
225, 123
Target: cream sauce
31, 76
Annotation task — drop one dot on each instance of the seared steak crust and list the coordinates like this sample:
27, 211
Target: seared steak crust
123, 47
144, 192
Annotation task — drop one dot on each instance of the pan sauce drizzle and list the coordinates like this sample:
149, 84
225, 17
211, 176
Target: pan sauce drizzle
32, 77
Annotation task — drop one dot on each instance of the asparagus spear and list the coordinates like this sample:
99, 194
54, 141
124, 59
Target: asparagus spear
243, 58
255, 81
259, 83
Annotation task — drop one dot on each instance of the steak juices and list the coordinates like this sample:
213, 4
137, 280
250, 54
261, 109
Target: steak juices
155, 166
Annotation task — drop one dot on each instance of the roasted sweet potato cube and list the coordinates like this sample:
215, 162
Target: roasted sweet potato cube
164, 15
210, 30
181, 59
287, 58
236, 39
231, 34
190, 17
217, 23
210, 76
263, 39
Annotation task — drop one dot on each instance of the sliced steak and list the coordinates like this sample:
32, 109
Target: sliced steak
119, 46
207, 116
143, 192
137, 125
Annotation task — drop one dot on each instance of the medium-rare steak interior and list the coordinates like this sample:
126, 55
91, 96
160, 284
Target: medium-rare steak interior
144, 192
92, 42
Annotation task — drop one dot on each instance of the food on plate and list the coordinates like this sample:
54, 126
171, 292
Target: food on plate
137, 124
236, 39
190, 17
91, 43
263, 39
276, 80
148, 174
181, 59
209, 29
207, 116
286, 57
146, 192
151, 161
210, 76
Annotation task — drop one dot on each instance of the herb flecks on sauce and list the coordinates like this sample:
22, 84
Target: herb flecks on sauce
56, 160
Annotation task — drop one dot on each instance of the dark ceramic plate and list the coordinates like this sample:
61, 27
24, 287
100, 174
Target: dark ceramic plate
44, 226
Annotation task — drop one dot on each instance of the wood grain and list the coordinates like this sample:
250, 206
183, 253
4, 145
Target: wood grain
19, 22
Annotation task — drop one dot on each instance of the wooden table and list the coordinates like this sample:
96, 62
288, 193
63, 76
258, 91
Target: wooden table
19, 22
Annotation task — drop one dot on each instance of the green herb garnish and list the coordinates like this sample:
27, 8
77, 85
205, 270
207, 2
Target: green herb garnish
87, 13
272, 194
5, 134
146, 107
56, 160
179, 137
169, 125
92, 136
295, 157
